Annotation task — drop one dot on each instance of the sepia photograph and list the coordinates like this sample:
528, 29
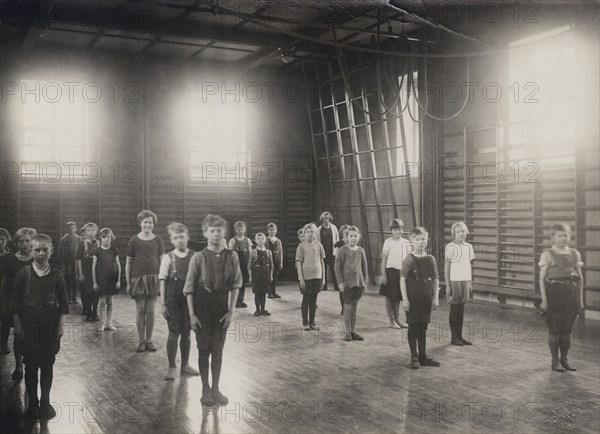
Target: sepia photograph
299, 216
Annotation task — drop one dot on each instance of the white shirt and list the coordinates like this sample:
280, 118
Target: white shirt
460, 257
396, 251
165, 262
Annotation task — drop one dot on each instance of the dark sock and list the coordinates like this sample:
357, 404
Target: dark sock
203, 367
241, 293
172, 349
31, 383
422, 340
215, 367
412, 340
553, 343
564, 345
312, 309
304, 308
454, 322
461, 319
5, 333
257, 301
46, 376
184, 345
263, 301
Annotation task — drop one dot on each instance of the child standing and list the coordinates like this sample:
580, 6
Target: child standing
419, 283
343, 231
327, 235
242, 245
144, 254
395, 250
85, 259
39, 304
211, 288
310, 266
12, 265
106, 272
173, 271
6, 319
459, 256
276, 247
68, 246
561, 285
261, 273
351, 273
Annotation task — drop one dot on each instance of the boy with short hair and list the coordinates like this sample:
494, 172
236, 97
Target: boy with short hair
39, 304
173, 271
561, 285
211, 287
68, 246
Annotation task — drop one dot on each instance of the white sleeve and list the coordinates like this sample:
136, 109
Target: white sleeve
386, 246
163, 271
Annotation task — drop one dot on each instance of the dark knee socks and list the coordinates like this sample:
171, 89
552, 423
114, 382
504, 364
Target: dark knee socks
456, 319
215, 367
203, 366
184, 346
564, 344
172, 349
257, 302
241, 293
312, 308
31, 383
260, 299
417, 337
553, 343
46, 376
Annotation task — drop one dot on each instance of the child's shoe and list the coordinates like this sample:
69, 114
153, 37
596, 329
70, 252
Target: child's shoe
141, 347
207, 398
242, 304
110, 328
394, 325
270, 296
256, 313
428, 361
188, 370
414, 363
314, 327
356, 337
170, 375
47, 411
457, 342
276, 295
306, 327
465, 342
100, 328
348, 337
565, 364
265, 313
219, 398
150, 347
556, 366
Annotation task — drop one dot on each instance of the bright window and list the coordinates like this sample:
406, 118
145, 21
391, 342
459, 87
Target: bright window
218, 148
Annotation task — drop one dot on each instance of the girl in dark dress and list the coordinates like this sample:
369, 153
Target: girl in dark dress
106, 272
85, 260
261, 268
419, 283
5, 239
12, 264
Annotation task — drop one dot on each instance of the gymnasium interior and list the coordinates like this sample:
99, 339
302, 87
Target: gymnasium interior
261, 111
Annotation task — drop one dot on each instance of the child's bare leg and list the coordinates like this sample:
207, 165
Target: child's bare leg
396, 307
184, 346
101, 309
348, 320
171, 354
109, 312
353, 316
389, 308
150, 305
140, 319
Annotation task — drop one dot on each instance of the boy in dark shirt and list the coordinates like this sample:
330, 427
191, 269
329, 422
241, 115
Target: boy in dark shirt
39, 304
211, 288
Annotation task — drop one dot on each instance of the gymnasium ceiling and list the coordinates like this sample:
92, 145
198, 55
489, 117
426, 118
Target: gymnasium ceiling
250, 33
247, 33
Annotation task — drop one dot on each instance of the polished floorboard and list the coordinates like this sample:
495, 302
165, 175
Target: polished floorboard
280, 378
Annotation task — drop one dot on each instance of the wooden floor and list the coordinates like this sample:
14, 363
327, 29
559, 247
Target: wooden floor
281, 379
